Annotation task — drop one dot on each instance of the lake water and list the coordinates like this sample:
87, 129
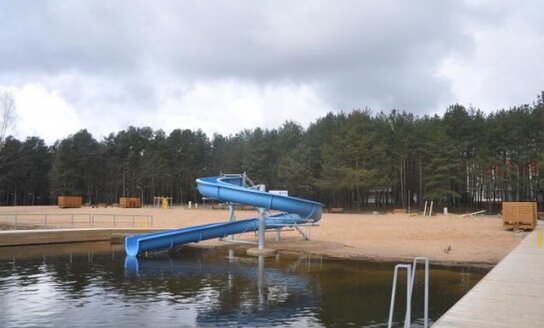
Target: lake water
92, 285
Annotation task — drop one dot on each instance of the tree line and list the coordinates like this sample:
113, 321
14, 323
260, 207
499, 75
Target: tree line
463, 159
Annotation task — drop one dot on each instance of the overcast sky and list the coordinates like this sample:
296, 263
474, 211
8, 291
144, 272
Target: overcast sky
223, 66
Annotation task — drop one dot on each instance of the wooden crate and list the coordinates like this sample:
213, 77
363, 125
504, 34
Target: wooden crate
519, 214
69, 201
130, 202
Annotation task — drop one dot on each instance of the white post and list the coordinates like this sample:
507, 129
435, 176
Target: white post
431, 208
261, 221
190, 204
409, 200
425, 209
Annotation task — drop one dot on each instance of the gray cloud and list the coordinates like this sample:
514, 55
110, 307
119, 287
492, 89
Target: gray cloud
371, 50
122, 56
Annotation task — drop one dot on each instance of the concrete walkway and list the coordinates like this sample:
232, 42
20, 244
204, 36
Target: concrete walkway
55, 236
510, 295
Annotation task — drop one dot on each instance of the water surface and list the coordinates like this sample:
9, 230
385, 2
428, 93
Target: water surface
92, 285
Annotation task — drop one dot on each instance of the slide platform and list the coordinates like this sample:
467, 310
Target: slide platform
230, 189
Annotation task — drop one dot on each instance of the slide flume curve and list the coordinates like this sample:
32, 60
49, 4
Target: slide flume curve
230, 189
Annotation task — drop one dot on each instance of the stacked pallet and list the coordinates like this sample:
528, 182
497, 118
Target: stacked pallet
519, 215
69, 201
129, 202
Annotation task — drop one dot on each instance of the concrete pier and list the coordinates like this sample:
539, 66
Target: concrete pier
54, 236
510, 295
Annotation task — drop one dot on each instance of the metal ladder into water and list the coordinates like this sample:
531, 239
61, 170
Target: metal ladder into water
410, 280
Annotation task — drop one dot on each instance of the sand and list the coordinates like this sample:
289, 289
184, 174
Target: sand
392, 237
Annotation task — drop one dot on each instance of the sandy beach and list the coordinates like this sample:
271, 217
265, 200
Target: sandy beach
385, 237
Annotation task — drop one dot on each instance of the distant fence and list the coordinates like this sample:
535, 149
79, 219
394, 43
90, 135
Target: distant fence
76, 220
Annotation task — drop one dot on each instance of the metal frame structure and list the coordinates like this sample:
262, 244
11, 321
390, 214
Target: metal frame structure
410, 281
247, 182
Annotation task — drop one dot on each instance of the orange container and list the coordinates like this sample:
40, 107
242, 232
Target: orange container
69, 201
129, 202
520, 214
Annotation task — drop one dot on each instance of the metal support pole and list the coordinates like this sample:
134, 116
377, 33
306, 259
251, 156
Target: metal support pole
231, 213
431, 209
278, 234
261, 221
231, 255
260, 279
426, 302
425, 260
232, 218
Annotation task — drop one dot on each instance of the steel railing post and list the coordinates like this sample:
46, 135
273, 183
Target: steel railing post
425, 260
393, 293
407, 318
408, 298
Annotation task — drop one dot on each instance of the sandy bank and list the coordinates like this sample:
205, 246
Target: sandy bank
449, 240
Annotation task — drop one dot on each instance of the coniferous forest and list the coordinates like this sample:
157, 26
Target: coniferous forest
464, 159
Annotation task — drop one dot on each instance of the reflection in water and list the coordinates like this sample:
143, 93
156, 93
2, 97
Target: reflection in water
248, 293
94, 285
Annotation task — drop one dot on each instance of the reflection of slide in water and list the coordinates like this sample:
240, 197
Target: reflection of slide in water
245, 291
230, 189
252, 268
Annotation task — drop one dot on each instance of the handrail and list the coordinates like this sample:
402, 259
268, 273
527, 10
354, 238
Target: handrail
407, 318
425, 260
90, 218
410, 281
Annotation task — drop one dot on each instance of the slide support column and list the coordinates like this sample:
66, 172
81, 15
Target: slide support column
261, 221
232, 218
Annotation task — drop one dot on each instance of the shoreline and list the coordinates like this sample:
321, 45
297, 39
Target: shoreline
445, 240
350, 257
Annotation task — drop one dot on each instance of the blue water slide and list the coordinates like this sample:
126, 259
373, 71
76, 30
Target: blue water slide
230, 189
